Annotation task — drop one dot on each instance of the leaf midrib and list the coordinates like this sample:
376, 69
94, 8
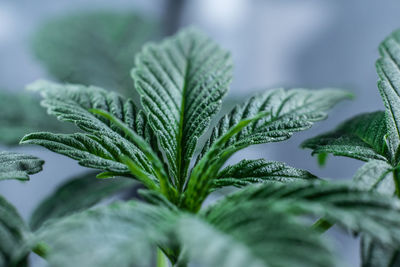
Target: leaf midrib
181, 168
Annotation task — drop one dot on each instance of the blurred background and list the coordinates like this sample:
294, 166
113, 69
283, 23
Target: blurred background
287, 43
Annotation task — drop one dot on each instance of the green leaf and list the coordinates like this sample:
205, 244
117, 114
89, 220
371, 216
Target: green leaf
104, 144
357, 210
362, 137
120, 234
123, 234
269, 117
240, 235
388, 68
18, 166
75, 195
21, 114
375, 175
181, 82
13, 235
93, 48
289, 111
248, 172
376, 255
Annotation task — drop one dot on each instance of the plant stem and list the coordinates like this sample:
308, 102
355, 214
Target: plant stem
322, 225
162, 260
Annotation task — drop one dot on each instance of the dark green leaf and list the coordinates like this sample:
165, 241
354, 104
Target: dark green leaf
259, 171
289, 111
77, 194
105, 144
362, 137
93, 48
18, 166
181, 82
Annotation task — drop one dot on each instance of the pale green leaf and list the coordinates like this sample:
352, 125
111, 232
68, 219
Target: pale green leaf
243, 236
362, 137
77, 194
93, 48
121, 234
357, 210
18, 166
181, 82
248, 172
375, 175
388, 68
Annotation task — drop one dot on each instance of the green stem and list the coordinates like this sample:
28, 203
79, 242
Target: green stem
322, 225
162, 260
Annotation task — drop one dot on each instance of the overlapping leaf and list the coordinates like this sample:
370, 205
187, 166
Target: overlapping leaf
241, 235
248, 172
18, 166
269, 117
121, 234
181, 82
361, 211
93, 48
103, 144
13, 235
75, 195
361, 137
124, 233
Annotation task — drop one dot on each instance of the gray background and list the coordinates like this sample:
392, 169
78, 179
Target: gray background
312, 44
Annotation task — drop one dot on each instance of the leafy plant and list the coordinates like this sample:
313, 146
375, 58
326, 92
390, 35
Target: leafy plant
265, 221
374, 138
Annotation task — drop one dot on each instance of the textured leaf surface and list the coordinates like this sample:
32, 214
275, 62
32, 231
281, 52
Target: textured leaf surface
95, 48
259, 171
21, 114
121, 234
375, 175
18, 166
362, 137
269, 117
376, 255
290, 111
181, 82
361, 211
388, 67
242, 236
75, 195
103, 144
13, 233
